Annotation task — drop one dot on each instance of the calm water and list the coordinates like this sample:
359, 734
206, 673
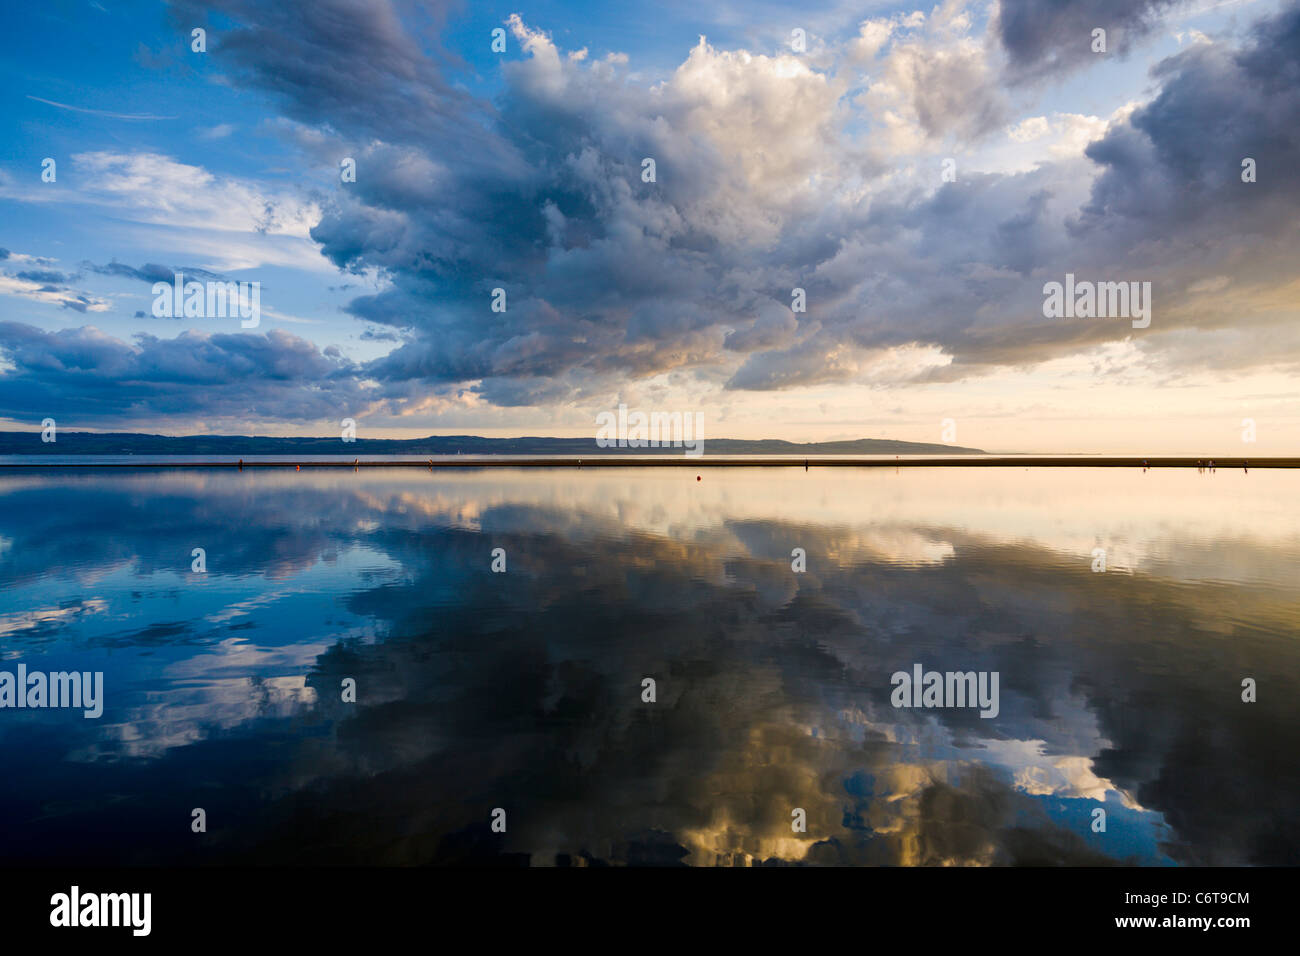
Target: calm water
523, 690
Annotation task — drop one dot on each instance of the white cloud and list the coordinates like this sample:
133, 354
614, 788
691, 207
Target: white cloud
52, 294
1029, 129
220, 131
152, 188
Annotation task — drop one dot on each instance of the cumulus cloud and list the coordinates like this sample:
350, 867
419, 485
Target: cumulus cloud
772, 172
938, 85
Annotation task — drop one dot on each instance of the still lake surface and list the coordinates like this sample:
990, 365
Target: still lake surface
522, 690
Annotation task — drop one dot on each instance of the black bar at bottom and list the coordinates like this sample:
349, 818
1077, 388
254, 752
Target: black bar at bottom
614, 907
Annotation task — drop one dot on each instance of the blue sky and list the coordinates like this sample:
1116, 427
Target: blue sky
819, 168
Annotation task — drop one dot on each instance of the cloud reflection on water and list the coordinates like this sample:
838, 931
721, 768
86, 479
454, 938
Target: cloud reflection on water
522, 690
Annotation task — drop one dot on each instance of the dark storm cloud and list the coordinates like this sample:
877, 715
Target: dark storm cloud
354, 64
608, 277
1169, 206
88, 376
1177, 164
1047, 38
1171, 192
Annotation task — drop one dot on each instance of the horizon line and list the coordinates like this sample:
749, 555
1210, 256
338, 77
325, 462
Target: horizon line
659, 461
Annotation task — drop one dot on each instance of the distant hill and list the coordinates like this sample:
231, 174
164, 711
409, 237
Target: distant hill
125, 443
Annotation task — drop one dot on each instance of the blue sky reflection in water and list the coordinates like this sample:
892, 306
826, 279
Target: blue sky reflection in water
522, 690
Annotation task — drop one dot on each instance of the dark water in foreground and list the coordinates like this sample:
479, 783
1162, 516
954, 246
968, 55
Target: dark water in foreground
522, 690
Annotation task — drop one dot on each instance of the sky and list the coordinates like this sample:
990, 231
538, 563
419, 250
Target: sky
921, 172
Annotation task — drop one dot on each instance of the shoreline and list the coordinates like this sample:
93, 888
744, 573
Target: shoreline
666, 461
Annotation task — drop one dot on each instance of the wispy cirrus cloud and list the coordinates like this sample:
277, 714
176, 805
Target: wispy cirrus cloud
108, 114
